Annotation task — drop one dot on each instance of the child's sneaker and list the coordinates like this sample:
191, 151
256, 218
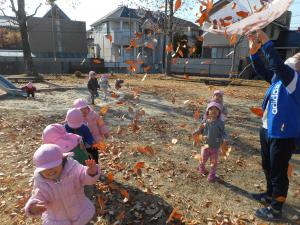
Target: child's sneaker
202, 171
211, 178
269, 214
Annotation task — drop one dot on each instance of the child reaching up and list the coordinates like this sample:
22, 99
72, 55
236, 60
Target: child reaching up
95, 122
58, 193
213, 132
93, 86
29, 89
104, 85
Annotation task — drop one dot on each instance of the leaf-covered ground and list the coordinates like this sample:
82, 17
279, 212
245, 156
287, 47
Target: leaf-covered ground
149, 167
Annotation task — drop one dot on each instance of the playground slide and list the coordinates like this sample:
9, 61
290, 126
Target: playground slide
10, 88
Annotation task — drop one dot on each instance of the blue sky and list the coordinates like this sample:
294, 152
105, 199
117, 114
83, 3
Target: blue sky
92, 10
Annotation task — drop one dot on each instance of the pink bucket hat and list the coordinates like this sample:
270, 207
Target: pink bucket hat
74, 118
218, 92
47, 156
92, 73
79, 104
29, 85
214, 104
57, 134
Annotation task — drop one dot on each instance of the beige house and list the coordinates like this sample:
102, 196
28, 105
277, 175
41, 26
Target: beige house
121, 25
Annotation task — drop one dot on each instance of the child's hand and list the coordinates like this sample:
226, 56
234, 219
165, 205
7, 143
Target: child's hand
37, 208
195, 133
202, 126
92, 168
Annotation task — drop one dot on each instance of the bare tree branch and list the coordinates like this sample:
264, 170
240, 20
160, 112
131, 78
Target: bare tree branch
13, 8
32, 15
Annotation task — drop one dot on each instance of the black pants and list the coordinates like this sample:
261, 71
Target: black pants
275, 154
94, 94
94, 154
30, 93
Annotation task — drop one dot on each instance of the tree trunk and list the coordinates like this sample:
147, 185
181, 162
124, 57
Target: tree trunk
22, 21
170, 36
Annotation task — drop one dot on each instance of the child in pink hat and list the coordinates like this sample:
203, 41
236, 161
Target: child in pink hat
94, 121
58, 193
218, 98
75, 124
213, 131
68, 142
29, 89
104, 85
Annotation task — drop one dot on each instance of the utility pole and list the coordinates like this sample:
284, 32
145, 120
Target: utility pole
170, 35
165, 36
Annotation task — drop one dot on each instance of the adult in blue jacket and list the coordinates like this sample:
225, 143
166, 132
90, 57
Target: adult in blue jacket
281, 121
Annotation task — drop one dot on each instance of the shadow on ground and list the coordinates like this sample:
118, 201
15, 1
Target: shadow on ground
141, 207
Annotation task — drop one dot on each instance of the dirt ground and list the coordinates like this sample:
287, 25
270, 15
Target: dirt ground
146, 185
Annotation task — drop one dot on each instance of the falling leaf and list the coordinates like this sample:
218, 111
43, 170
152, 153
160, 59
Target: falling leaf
233, 39
146, 150
177, 4
147, 68
197, 115
101, 202
192, 50
202, 18
257, 111
124, 193
196, 139
144, 78
110, 177
139, 165
169, 48
101, 146
242, 14
109, 37
234, 5
96, 61
290, 170
174, 141
186, 77
180, 53
172, 215
228, 18
103, 110
114, 95
138, 35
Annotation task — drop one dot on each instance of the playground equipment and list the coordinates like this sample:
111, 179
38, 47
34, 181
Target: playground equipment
10, 88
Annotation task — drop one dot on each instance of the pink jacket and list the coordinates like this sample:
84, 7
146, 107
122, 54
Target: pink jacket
65, 200
96, 126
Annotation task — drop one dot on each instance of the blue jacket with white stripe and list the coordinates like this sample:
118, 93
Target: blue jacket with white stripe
283, 95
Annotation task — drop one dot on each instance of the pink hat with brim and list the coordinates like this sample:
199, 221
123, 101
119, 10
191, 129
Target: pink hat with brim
57, 134
218, 92
29, 85
74, 118
213, 104
48, 156
80, 104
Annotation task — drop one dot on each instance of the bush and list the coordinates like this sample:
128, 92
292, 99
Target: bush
78, 74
